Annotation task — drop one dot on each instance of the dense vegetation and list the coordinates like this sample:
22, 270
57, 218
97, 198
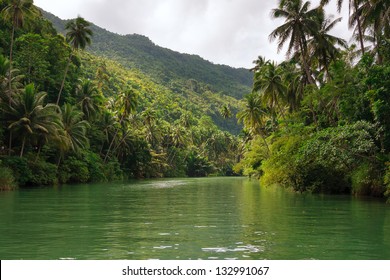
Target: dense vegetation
161, 64
320, 121
69, 116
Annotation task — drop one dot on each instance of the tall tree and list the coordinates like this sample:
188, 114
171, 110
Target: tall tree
375, 20
268, 82
355, 17
300, 23
89, 99
16, 12
253, 116
78, 36
74, 134
323, 46
29, 118
129, 102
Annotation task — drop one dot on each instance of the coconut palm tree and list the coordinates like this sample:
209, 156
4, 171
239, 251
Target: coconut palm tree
129, 103
89, 99
29, 118
16, 11
74, 134
323, 46
226, 111
78, 36
375, 20
300, 23
355, 17
270, 85
253, 116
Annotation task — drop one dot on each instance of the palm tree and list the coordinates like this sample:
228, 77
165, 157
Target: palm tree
375, 19
78, 36
259, 63
75, 130
226, 111
4, 68
300, 23
29, 118
89, 99
355, 17
323, 46
253, 116
270, 85
16, 11
129, 103
294, 85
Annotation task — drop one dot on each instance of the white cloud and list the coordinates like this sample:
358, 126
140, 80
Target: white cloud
232, 32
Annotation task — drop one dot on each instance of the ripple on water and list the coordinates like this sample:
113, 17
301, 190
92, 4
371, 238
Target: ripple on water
244, 248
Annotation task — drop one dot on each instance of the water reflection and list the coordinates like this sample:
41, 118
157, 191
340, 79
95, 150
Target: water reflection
213, 218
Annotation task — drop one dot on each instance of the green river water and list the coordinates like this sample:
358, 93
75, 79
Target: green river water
211, 218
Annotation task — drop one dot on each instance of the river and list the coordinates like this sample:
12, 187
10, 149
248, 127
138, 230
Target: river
208, 218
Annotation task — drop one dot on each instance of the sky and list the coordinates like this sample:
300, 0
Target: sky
230, 32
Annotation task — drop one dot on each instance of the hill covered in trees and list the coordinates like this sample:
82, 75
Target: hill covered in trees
69, 115
164, 65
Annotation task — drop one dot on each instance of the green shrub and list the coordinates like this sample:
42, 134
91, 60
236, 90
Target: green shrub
95, 167
387, 182
43, 173
20, 169
73, 170
113, 171
198, 166
7, 180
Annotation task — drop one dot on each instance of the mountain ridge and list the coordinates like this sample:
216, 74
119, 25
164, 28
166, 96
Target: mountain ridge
162, 64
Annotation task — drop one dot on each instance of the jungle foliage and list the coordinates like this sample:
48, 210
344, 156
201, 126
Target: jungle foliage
70, 116
319, 121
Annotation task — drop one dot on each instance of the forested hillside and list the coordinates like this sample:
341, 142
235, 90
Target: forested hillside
69, 116
164, 65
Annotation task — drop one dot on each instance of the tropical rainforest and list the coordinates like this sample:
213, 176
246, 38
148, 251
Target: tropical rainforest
80, 104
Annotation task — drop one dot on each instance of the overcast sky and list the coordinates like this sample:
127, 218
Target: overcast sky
231, 32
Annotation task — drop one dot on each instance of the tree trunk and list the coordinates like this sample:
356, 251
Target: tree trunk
359, 26
38, 154
10, 144
23, 144
112, 141
63, 81
305, 65
10, 67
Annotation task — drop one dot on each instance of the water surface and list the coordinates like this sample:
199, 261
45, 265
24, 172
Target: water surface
211, 218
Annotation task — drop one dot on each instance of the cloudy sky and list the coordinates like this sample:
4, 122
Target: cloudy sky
231, 32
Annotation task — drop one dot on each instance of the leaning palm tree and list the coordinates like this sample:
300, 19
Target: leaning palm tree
16, 11
300, 23
29, 118
78, 36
